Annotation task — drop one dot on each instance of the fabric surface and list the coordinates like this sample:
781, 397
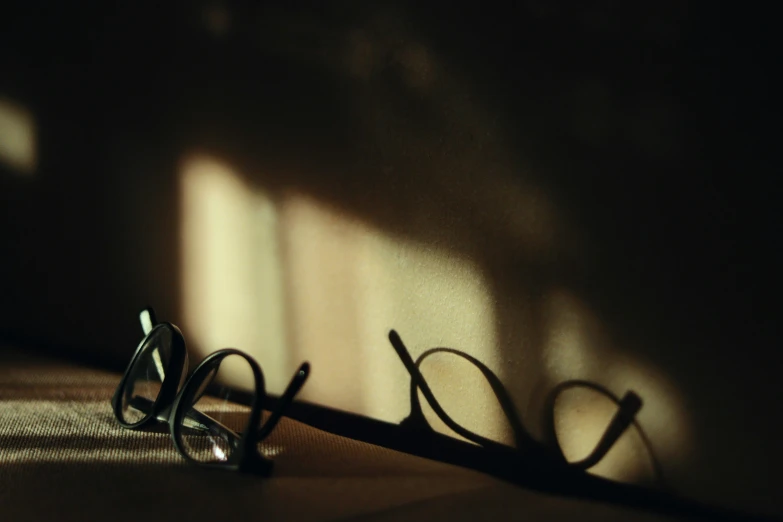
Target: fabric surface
64, 457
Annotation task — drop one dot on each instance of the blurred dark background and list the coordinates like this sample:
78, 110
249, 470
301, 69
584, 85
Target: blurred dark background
650, 128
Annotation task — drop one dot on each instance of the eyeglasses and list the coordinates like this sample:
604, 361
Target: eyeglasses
207, 423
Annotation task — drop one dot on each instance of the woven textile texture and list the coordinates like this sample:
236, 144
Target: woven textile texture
64, 457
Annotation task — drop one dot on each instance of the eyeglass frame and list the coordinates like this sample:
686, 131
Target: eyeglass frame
169, 405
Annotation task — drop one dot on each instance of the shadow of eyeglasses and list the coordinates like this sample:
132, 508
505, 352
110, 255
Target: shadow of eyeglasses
533, 465
624, 417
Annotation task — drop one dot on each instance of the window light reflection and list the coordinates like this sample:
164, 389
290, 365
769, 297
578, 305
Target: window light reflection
231, 273
219, 453
17, 137
271, 450
158, 364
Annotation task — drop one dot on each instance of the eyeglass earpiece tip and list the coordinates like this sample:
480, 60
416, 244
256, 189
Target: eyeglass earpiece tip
147, 319
394, 337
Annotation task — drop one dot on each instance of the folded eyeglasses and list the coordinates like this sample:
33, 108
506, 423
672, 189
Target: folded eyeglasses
207, 426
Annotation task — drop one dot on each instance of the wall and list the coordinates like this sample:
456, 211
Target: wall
564, 193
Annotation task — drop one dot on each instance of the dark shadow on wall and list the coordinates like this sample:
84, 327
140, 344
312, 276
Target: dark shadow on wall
94, 227
621, 157
660, 149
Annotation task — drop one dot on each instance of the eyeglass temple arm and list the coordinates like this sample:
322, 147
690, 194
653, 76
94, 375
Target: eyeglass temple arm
629, 406
418, 379
285, 400
148, 319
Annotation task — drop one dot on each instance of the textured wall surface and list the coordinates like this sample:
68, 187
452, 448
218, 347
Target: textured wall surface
565, 193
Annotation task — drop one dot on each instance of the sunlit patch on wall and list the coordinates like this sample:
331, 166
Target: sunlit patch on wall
574, 340
17, 137
663, 416
325, 254
350, 283
441, 299
578, 347
466, 396
231, 272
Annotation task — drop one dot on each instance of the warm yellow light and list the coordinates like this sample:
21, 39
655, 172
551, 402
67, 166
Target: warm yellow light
574, 339
579, 348
271, 450
17, 137
581, 416
350, 283
664, 418
250, 270
231, 273
294, 279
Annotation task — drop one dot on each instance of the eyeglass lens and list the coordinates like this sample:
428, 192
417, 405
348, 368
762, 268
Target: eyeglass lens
213, 420
146, 376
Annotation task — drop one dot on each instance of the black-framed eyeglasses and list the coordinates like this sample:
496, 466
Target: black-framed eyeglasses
207, 425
